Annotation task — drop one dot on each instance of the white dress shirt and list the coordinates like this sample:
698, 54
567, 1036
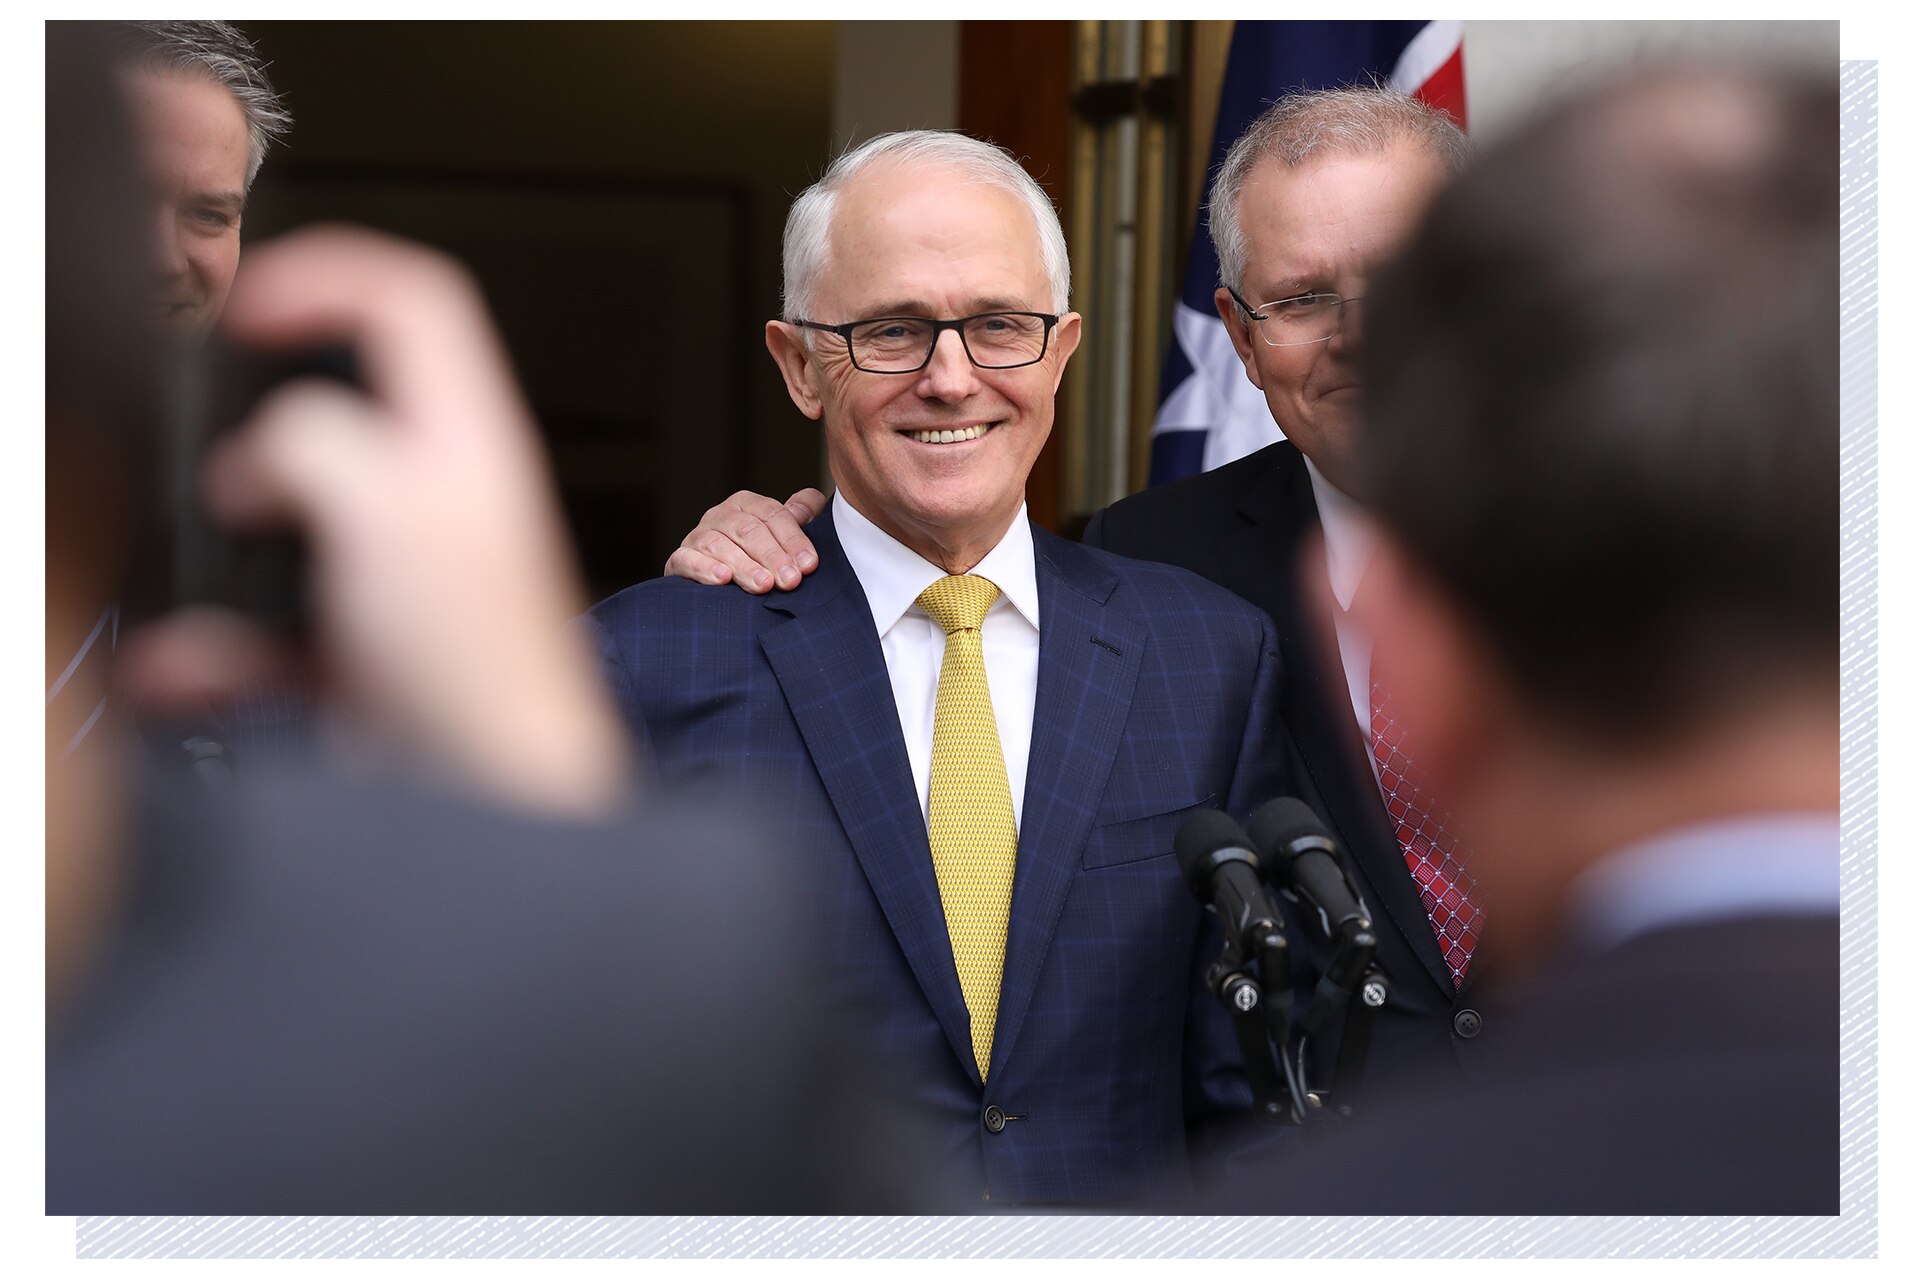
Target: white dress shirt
1350, 540
893, 578
1753, 864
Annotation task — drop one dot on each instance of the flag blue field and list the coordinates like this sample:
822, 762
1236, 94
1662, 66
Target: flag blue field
1209, 413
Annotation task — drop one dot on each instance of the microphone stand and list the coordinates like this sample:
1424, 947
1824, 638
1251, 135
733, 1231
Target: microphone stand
1353, 982
1352, 960
1355, 1036
1259, 1009
1257, 993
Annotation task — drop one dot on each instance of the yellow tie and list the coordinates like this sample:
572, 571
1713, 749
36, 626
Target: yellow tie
969, 809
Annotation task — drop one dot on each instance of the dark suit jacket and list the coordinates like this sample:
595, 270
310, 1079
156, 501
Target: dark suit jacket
329, 996
1242, 526
1692, 1069
1155, 697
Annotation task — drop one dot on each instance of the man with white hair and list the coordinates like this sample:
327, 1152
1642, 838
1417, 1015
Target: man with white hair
1321, 188
985, 737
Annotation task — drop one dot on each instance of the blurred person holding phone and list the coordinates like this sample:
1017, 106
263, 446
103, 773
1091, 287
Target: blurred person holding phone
465, 966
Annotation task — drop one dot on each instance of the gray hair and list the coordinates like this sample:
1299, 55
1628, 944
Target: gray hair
1354, 120
804, 247
221, 51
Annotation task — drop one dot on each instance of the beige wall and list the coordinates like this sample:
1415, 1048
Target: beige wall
759, 106
888, 76
1513, 68
894, 75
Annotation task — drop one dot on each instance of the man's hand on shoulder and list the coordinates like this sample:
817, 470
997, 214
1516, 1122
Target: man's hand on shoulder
752, 541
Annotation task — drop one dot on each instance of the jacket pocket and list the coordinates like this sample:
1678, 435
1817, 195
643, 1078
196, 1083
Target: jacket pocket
1120, 837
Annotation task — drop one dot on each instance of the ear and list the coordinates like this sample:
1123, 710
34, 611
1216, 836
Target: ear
787, 344
1066, 340
1239, 332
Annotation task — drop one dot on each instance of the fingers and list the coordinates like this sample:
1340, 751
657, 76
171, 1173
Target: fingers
750, 540
414, 318
769, 533
785, 524
441, 578
307, 453
738, 537
196, 659
696, 566
807, 505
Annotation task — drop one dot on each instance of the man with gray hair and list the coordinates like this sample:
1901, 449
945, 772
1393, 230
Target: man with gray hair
206, 113
984, 737
1319, 189
203, 112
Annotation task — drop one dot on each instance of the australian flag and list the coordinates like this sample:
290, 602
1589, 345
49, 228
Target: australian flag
1209, 413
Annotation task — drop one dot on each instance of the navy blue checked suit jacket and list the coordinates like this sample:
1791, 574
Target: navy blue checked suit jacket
1112, 1068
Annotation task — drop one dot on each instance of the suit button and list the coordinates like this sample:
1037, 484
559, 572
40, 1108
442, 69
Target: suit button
995, 1119
1466, 1024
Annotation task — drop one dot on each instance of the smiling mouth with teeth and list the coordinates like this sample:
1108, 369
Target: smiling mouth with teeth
950, 437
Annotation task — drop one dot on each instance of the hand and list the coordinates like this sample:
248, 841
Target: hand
443, 585
752, 541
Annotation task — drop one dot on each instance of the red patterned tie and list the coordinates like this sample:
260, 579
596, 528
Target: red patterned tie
1432, 855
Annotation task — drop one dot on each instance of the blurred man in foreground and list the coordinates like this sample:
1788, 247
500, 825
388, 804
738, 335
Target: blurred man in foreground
463, 967
1602, 443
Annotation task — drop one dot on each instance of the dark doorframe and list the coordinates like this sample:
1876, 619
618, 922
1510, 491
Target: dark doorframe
1016, 80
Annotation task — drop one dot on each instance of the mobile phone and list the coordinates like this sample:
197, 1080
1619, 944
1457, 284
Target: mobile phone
190, 560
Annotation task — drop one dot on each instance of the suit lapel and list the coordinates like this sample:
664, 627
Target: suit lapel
1089, 661
1258, 564
827, 659
1252, 555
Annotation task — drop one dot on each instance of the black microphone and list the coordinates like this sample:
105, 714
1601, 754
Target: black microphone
1218, 862
1300, 857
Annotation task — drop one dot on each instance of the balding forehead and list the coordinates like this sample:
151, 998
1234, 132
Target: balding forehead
894, 178
893, 196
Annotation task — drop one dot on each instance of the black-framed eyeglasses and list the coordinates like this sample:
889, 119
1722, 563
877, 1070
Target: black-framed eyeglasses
904, 344
1297, 321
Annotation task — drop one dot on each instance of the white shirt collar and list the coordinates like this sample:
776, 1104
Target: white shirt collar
1755, 864
1350, 536
894, 576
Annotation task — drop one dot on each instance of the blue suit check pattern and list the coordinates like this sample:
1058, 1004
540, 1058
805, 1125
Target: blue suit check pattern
1155, 693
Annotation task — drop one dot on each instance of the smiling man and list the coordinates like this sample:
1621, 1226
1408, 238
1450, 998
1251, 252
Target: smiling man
982, 737
205, 112
1299, 223
1319, 192
1321, 188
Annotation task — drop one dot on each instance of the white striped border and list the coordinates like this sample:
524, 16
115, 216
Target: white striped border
1852, 1233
